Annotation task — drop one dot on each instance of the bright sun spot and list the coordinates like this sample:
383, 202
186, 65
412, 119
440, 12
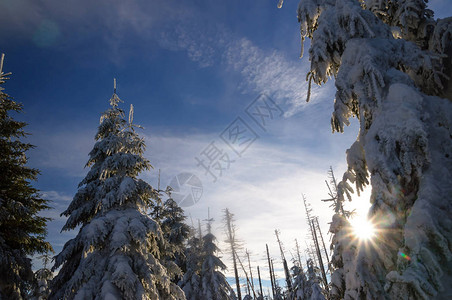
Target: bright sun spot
363, 228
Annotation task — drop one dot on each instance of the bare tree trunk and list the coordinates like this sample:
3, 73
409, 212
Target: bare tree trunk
323, 242
298, 254
286, 268
232, 243
251, 272
260, 282
319, 254
308, 219
270, 268
248, 283
274, 276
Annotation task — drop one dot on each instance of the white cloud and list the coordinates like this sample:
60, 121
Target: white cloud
59, 202
262, 188
270, 72
262, 70
63, 150
173, 26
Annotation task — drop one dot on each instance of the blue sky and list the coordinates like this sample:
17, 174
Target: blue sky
190, 69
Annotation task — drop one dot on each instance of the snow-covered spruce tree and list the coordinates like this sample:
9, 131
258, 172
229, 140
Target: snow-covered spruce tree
22, 230
191, 280
343, 242
214, 283
299, 291
343, 245
176, 234
404, 145
116, 253
413, 21
315, 292
42, 278
233, 242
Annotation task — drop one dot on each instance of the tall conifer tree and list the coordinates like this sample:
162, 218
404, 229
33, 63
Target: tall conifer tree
22, 230
116, 252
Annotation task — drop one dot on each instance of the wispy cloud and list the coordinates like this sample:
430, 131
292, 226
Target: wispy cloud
63, 150
262, 70
263, 189
172, 26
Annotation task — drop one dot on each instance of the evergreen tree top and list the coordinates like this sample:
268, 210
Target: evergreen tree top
115, 161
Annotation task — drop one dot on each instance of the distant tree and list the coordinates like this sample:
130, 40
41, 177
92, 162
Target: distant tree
42, 278
313, 283
157, 209
343, 242
279, 292
116, 252
233, 244
214, 283
176, 234
344, 248
22, 230
300, 288
191, 280
388, 59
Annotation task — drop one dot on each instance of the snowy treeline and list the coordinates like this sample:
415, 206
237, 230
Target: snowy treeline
131, 244
391, 62
204, 278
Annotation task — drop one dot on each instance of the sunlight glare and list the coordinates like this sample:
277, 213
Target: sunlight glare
363, 228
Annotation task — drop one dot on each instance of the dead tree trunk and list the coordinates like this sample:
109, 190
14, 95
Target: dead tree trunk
286, 268
260, 282
319, 254
248, 283
271, 274
298, 254
323, 242
251, 272
232, 242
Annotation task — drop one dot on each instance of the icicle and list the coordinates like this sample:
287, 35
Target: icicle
131, 114
309, 79
1, 63
302, 47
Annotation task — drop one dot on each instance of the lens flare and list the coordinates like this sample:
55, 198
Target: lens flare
404, 255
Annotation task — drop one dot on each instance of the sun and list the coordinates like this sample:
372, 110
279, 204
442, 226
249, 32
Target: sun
363, 228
